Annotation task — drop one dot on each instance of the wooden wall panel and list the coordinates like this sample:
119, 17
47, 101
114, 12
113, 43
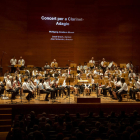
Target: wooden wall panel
113, 31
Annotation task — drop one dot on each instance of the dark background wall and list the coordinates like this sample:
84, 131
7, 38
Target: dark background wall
111, 30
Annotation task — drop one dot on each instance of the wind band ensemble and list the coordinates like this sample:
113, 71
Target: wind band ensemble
51, 80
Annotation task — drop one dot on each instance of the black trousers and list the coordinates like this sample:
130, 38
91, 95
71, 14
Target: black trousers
119, 94
82, 87
13, 69
68, 90
104, 69
13, 92
53, 92
1, 90
45, 92
60, 90
132, 92
105, 90
29, 93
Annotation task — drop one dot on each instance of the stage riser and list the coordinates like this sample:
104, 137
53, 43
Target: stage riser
87, 100
6, 122
5, 119
5, 128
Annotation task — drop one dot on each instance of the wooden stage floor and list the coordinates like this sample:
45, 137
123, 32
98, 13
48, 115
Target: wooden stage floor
64, 100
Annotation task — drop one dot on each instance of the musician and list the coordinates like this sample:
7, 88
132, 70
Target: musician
16, 85
13, 62
17, 70
46, 65
55, 74
122, 90
118, 71
31, 83
87, 71
55, 87
65, 86
43, 70
118, 85
46, 72
9, 87
107, 72
129, 65
100, 72
64, 74
80, 67
47, 87
1, 88
76, 86
103, 66
6, 78
132, 75
69, 70
27, 72
107, 87
92, 60
27, 89
89, 85
7, 73
34, 72
96, 71
36, 81
21, 62
92, 81
85, 66
133, 90
42, 90
54, 62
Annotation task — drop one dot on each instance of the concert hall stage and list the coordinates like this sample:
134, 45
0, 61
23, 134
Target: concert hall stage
62, 104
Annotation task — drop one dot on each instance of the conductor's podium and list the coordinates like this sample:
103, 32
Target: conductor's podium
87, 99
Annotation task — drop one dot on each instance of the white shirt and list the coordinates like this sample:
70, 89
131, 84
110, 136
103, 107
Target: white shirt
36, 81
34, 72
41, 87
25, 86
137, 84
129, 65
21, 62
92, 61
124, 87
85, 67
102, 63
96, 72
118, 84
132, 75
13, 61
79, 67
30, 83
46, 85
8, 85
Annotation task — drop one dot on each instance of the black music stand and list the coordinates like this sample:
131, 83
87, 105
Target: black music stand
69, 80
97, 89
